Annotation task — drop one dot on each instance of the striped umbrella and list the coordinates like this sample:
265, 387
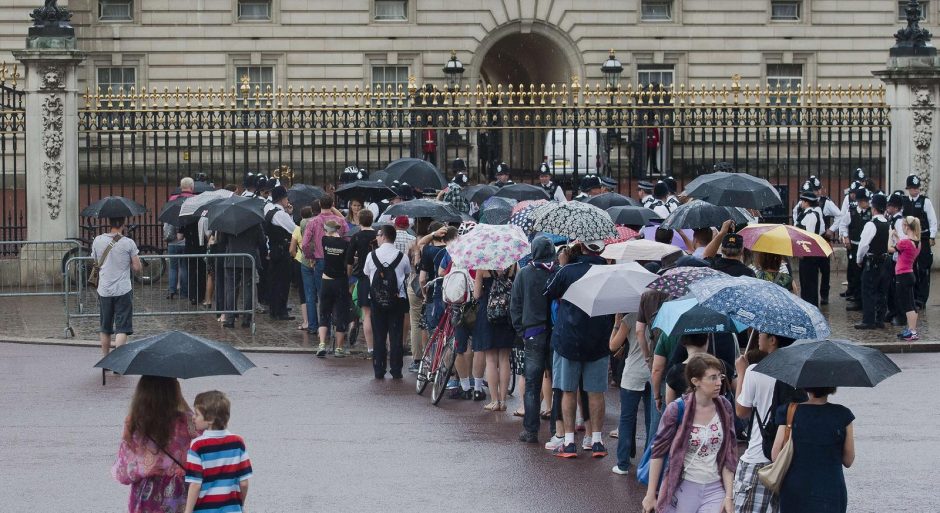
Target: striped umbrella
786, 240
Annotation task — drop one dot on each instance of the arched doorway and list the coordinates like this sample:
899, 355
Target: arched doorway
525, 59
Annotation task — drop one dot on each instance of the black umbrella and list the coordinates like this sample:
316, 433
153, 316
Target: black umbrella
302, 195
418, 173
437, 210
827, 363
236, 214
198, 188
380, 176
611, 199
196, 206
633, 216
170, 213
176, 354
113, 206
366, 190
734, 190
702, 214
479, 193
522, 192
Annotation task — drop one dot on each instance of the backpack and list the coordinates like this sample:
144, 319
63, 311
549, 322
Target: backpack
384, 285
457, 287
497, 306
783, 394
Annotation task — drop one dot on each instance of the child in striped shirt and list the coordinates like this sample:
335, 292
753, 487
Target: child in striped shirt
217, 464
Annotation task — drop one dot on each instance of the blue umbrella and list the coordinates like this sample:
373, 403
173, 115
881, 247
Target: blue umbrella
762, 305
685, 316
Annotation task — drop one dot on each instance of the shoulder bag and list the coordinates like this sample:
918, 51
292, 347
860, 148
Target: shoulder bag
772, 475
643, 469
96, 269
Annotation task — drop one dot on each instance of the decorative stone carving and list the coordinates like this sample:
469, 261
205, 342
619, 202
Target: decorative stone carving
52, 126
52, 140
53, 191
922, 113
53, 78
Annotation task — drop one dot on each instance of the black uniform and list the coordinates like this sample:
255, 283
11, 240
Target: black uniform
853, 273
279, 269
874, 276
893, 315
196, 267
925, 258
813, 268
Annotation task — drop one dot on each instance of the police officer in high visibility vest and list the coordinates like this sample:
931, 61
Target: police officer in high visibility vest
919, 206
811, 268
874, 258
850, 231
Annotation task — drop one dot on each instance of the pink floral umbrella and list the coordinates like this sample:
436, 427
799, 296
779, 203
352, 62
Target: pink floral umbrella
490, 247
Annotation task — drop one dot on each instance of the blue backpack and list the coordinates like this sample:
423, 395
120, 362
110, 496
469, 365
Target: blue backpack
643, 469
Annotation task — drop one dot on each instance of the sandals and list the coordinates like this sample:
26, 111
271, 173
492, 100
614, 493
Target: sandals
519, 413
301, 327
501, 407
545, 414
493, 406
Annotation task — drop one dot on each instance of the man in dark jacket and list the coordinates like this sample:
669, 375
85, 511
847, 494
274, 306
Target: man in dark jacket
581, 352
240, 271
531, 317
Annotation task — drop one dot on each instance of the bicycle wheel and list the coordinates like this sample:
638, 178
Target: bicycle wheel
353, 334
444, 371
153, 267
79, 271
424, 367
513, 369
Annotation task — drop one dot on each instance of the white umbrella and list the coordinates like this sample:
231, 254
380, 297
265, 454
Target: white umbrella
610, 289
639, 249
194, 203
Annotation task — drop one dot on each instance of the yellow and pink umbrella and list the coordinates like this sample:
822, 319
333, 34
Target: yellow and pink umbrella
786, 240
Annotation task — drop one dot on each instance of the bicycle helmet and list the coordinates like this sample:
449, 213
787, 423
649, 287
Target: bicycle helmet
466, 227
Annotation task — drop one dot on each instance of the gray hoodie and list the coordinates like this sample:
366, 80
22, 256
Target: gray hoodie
529, 307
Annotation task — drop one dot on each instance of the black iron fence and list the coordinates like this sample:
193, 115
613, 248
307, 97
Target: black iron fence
12, 157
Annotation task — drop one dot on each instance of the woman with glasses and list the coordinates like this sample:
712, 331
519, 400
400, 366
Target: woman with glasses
697, 434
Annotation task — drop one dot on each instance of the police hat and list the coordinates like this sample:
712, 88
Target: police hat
589, 182
671, 183
858, 175
861, 194
879, 202
545, 169
660, 190
460, 179
608, 182
502, 168
405, 191
814, 182
913, 182
645, 186
810, 197
896, 200
727, 167
279, 193
261, 182
458, 165
806, 187
732, 241
249, 180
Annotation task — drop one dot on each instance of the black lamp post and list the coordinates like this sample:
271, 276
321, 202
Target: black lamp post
612, 69
453, 68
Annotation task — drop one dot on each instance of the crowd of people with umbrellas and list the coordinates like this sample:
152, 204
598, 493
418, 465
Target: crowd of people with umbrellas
694, 313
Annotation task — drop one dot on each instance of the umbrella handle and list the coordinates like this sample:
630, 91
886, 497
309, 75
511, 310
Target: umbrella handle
750, 338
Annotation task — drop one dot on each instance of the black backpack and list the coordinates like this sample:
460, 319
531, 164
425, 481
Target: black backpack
497, 307
783, 394
384, 285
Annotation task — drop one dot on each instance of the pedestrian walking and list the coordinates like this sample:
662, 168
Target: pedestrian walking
387, 269
907, 249
334, 292
157, 433
116, 258
697, 435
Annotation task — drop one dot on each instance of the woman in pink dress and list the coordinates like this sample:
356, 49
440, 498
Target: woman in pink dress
157, 434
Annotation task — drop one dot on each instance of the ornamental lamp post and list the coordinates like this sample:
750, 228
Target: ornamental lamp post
612, 69
453, 69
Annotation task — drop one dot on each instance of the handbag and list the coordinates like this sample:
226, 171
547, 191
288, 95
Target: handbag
772, 475
643, 469
468, 314
96, 269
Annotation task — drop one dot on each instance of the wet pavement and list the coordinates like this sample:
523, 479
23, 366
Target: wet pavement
323, 436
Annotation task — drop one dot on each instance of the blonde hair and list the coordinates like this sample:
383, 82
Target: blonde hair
914, 224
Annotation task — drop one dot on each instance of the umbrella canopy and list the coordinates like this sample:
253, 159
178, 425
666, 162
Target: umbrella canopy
639, 249
199, 187
195, 206
609, 289
634, 216
527, 203
176, 354
782, 239
496, 210
437, 210
827, 363
479, 193
523, 219
676, 281
235, 214
649, 232
170, 213
522, 192
623, 234
701, 214
420, 174
686, 316
734, 190
762, 305
575, 220
489, 247
366, 190
302, 195
113, 206
610, 200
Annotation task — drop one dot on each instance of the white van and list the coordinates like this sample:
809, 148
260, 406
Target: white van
580, 151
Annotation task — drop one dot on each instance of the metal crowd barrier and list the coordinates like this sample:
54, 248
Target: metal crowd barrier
35, 268
154, 296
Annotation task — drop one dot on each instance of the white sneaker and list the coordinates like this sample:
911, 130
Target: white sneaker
619, 471
587, 442
554, 443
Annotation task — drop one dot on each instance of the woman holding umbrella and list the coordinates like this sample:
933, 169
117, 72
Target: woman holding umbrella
157, 434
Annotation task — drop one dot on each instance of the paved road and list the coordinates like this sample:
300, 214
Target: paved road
325, 437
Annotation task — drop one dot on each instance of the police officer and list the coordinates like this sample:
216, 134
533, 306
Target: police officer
672, 202
590, 186
645, 191
279, 226
874, 258
660, 195
895, 221
830, 212
502, 176
248, 185
917, 205
812, 289
553, 190
850, 231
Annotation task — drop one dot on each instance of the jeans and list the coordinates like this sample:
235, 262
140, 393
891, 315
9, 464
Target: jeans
537, 354
179, 274
388, 328
655, 414
311, 289
629, 406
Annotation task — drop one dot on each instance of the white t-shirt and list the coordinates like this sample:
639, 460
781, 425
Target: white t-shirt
757, 392
114, 277
701, 457
635, 372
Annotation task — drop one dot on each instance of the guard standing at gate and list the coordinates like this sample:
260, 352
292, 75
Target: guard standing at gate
850, 230
874, 258
919, 206
279, 226
811, 220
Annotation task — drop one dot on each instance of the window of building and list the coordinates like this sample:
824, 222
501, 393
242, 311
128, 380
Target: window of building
391, 10
785, 10
120, 81
902, 10
260, 81
391, 77
254, 10
656, 10
655, 74
115, 10
783, 78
